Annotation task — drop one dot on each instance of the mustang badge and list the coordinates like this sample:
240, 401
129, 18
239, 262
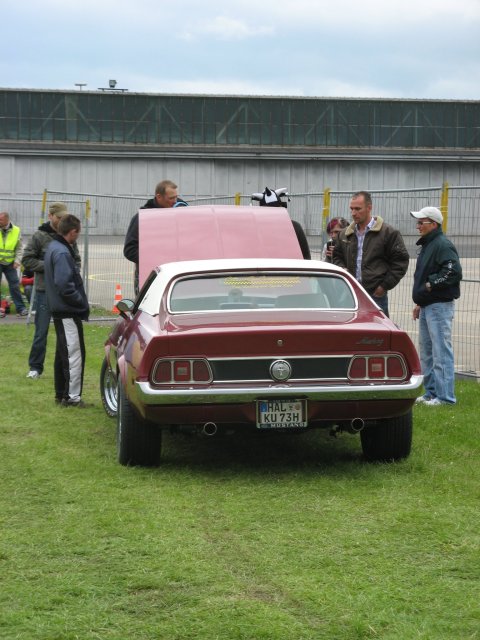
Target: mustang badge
280, 370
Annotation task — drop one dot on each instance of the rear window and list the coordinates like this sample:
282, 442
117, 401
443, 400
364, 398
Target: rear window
261, 291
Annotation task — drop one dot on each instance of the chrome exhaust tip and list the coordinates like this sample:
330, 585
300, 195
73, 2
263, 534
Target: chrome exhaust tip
357, 424
209, 429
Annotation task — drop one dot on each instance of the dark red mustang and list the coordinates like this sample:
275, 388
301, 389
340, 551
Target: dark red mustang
275, 343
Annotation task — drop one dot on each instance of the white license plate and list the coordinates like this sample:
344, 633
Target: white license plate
281, 414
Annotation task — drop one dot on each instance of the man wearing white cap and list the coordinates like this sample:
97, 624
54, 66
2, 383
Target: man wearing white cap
436, 286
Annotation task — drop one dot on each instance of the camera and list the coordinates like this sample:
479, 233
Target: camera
330, 244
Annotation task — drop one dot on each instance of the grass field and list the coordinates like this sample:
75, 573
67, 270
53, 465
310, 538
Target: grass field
287, 537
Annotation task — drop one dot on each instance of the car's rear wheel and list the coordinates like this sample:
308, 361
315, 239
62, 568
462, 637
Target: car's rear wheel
139, 442
387, 440
108, 389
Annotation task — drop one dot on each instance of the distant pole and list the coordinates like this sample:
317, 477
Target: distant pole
44, 205
86, 243
326, 208
80, 85
444, 206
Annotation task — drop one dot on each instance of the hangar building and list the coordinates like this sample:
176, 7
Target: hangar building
122, 143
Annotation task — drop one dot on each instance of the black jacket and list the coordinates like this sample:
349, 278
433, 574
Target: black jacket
130, 247
437, 263
302, 240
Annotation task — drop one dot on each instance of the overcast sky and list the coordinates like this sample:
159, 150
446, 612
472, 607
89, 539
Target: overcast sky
345, 48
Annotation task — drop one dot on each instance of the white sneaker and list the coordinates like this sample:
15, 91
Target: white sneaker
423, 399
33, 374
434, 402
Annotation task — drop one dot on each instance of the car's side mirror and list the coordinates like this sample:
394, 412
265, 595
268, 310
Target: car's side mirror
125, 308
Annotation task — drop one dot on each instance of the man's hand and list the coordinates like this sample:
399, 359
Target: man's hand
416, 312
379, 292
329, 251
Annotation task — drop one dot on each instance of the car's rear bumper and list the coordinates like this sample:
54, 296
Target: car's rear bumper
145, 394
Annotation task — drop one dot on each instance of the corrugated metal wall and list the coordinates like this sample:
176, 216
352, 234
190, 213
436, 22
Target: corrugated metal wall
27, 177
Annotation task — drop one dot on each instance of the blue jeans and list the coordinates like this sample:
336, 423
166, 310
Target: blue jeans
436, 351
382, 302
13, 284
36, 358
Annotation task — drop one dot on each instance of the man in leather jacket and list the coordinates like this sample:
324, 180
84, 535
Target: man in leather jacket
371, 250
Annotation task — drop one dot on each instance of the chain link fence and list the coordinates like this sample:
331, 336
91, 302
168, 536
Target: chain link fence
105, 219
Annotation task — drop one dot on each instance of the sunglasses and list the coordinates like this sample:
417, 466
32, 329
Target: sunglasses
420, 223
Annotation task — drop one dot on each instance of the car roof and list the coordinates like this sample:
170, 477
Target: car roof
173, 269
214, 232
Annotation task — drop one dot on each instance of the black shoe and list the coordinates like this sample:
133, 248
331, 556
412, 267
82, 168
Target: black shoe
80, 404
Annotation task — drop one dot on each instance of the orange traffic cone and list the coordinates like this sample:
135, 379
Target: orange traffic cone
118, 297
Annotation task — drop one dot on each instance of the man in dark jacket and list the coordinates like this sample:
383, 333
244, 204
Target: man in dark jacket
166, 197
436, 286
33, 260
68, 304
371, 250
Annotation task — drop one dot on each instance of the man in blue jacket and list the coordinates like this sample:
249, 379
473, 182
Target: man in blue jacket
68, 304
436, 286
33, 259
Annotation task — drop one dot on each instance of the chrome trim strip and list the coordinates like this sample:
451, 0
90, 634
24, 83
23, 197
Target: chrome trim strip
145, 394
270, 381
263, 309
346, 356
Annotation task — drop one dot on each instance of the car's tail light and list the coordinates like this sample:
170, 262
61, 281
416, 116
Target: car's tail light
377, 367
181, 371
201, 371
163, 371
395, 367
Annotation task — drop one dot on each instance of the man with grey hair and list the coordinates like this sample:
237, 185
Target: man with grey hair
436, 286
166, 197
11, 250
33, 260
